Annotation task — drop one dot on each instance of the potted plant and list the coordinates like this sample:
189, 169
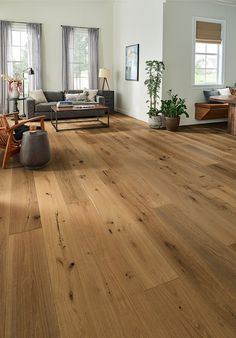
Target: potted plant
14, 84
154, 70
172, 109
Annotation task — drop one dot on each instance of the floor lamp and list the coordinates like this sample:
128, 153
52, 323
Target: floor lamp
104, 73
28, 71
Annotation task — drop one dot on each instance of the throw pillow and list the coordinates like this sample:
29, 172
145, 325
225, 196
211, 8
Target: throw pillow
38, 96
76, 97
224, 91
91, 93
209, 93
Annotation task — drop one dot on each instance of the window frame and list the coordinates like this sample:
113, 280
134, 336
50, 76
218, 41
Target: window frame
222, 65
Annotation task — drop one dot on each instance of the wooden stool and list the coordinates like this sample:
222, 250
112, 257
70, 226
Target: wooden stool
35, 151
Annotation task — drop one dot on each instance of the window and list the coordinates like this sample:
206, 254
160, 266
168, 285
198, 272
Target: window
18, 56
78, 59
24, 52
20, 50
208, 52
18, 59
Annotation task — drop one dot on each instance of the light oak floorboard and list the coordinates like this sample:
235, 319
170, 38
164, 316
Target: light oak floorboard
128, 232
5, 195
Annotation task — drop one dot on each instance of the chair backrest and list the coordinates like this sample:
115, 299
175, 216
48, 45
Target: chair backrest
3, 122
4, 131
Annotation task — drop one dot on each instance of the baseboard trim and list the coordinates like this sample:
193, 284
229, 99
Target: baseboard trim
128, 113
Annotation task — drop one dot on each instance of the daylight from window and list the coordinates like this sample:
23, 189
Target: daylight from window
18, 58
78, 65
208, 69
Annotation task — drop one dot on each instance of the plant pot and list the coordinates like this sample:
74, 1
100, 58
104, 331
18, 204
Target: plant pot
172, 123
155, 122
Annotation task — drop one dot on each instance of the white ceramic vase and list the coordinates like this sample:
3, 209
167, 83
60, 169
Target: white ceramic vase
14, 94
155, 122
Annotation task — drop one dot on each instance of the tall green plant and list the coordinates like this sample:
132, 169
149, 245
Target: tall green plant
154, 70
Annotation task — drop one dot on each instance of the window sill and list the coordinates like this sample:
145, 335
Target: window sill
204, 86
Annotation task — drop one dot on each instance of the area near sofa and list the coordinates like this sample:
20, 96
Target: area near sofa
51, 98
88, 112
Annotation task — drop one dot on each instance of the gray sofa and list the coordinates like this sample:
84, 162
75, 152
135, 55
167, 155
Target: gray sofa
32, 109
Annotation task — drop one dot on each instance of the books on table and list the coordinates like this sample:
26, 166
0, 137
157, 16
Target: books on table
69, 104
64, 104
82, 106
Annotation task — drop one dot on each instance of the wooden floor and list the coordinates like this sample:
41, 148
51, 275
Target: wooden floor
129, 232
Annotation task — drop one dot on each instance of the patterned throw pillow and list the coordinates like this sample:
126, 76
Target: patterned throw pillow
76, 97
91, 93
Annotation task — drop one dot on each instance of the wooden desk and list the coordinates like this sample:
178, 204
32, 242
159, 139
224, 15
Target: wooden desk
231, 100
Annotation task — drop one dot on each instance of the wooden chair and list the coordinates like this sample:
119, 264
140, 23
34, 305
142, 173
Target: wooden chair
7, 139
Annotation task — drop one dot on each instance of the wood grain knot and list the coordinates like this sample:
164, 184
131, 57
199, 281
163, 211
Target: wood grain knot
71, 295
72, 264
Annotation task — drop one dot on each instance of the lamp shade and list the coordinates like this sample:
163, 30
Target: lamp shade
29, 71
104, 72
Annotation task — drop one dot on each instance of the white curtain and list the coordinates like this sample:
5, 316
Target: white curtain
34, 61
67, 43
5, 35
93, 34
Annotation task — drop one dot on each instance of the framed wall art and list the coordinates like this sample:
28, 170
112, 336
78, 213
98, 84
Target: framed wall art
132, 63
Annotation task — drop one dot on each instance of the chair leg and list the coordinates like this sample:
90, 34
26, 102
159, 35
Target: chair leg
5, 159
42, 124
7, 153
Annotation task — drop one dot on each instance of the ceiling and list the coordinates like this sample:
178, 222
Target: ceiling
219, 2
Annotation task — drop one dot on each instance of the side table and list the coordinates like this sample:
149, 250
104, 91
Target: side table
109, 98
35, 150
15, 104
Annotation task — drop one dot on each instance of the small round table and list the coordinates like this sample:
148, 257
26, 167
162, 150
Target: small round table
15, 104
35, 150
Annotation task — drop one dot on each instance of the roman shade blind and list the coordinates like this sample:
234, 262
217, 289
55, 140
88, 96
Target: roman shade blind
208, 32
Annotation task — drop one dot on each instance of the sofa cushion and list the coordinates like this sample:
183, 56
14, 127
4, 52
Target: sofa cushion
38, 96
44, 107
73, 91
53, 96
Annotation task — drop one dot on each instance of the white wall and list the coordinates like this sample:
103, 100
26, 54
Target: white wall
177, 48
135, 22
53, 14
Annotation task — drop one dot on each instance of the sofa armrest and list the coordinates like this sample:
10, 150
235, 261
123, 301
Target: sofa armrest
29, 107
100, 99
